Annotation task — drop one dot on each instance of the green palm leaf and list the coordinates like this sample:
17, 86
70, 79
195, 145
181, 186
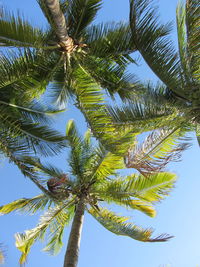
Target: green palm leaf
17, 32
80, 13
55, 219
193, 40
151, 40
111, 40
154, 188
27, 205
151, 189
119, 225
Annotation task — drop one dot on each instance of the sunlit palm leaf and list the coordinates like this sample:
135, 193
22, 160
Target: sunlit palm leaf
154, 188
119, 225
54, 219
105, 164
26, 205
144, 116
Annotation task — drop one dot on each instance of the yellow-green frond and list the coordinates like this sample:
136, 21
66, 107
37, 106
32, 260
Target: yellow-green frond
54, 219
27, 205
154, 188
119, 225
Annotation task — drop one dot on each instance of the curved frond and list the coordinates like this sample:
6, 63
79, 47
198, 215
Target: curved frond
158, 149
26, 205
120, 192
119, 225
154, 188
91, 102
113, 78
55, 220
151, 189
151, 40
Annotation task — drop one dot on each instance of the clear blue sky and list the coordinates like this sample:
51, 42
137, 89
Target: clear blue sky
178, 215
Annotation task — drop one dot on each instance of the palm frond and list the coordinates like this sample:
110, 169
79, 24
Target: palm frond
138, 187
23, 70
39, 138
152, 189
25, 205
193, 39
91, 102
158, 149
17, 32
113, 78
110, 40
77, 151
55, 219
104, 164
144, 116
119, 225
151, 40
79, 14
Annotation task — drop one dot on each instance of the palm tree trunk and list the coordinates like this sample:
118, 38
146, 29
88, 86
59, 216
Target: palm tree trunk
72, 253
60, 22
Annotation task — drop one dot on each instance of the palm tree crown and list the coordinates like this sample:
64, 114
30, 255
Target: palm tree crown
86, 187
178, 70
72, 48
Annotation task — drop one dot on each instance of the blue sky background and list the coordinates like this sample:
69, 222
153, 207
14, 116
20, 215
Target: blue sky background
178, 215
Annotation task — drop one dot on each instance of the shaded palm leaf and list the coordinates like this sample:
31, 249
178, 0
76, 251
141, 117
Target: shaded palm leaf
150, 39
193, 44
17, 32
111, 40
79, 14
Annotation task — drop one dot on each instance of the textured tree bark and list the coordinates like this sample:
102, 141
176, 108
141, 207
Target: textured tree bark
72, 253
60, 22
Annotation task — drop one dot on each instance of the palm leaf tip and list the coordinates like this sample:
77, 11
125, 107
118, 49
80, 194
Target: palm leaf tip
22, 246
161, 238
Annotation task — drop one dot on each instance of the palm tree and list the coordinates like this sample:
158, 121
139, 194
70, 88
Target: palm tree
89, 183
97, 61
178, 71
72, 48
